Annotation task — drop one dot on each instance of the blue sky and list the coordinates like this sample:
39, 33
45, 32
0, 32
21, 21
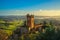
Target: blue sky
29, 5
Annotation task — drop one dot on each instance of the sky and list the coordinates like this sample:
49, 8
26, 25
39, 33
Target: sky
36, 7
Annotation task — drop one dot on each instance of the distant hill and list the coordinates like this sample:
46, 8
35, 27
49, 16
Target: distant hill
38, 19
24, 17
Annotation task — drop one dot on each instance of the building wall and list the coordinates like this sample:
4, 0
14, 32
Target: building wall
32, 22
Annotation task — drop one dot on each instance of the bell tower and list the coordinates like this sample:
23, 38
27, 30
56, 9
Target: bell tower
30, 21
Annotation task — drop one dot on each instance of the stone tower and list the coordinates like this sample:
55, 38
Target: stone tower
30, 21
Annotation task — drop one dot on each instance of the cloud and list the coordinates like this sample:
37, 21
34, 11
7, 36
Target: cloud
37, 12
13, 12
47, 12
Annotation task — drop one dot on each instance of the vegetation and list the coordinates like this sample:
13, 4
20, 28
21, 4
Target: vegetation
11, 31
7, 28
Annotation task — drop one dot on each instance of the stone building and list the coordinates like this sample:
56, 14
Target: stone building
30, 21
31, 24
